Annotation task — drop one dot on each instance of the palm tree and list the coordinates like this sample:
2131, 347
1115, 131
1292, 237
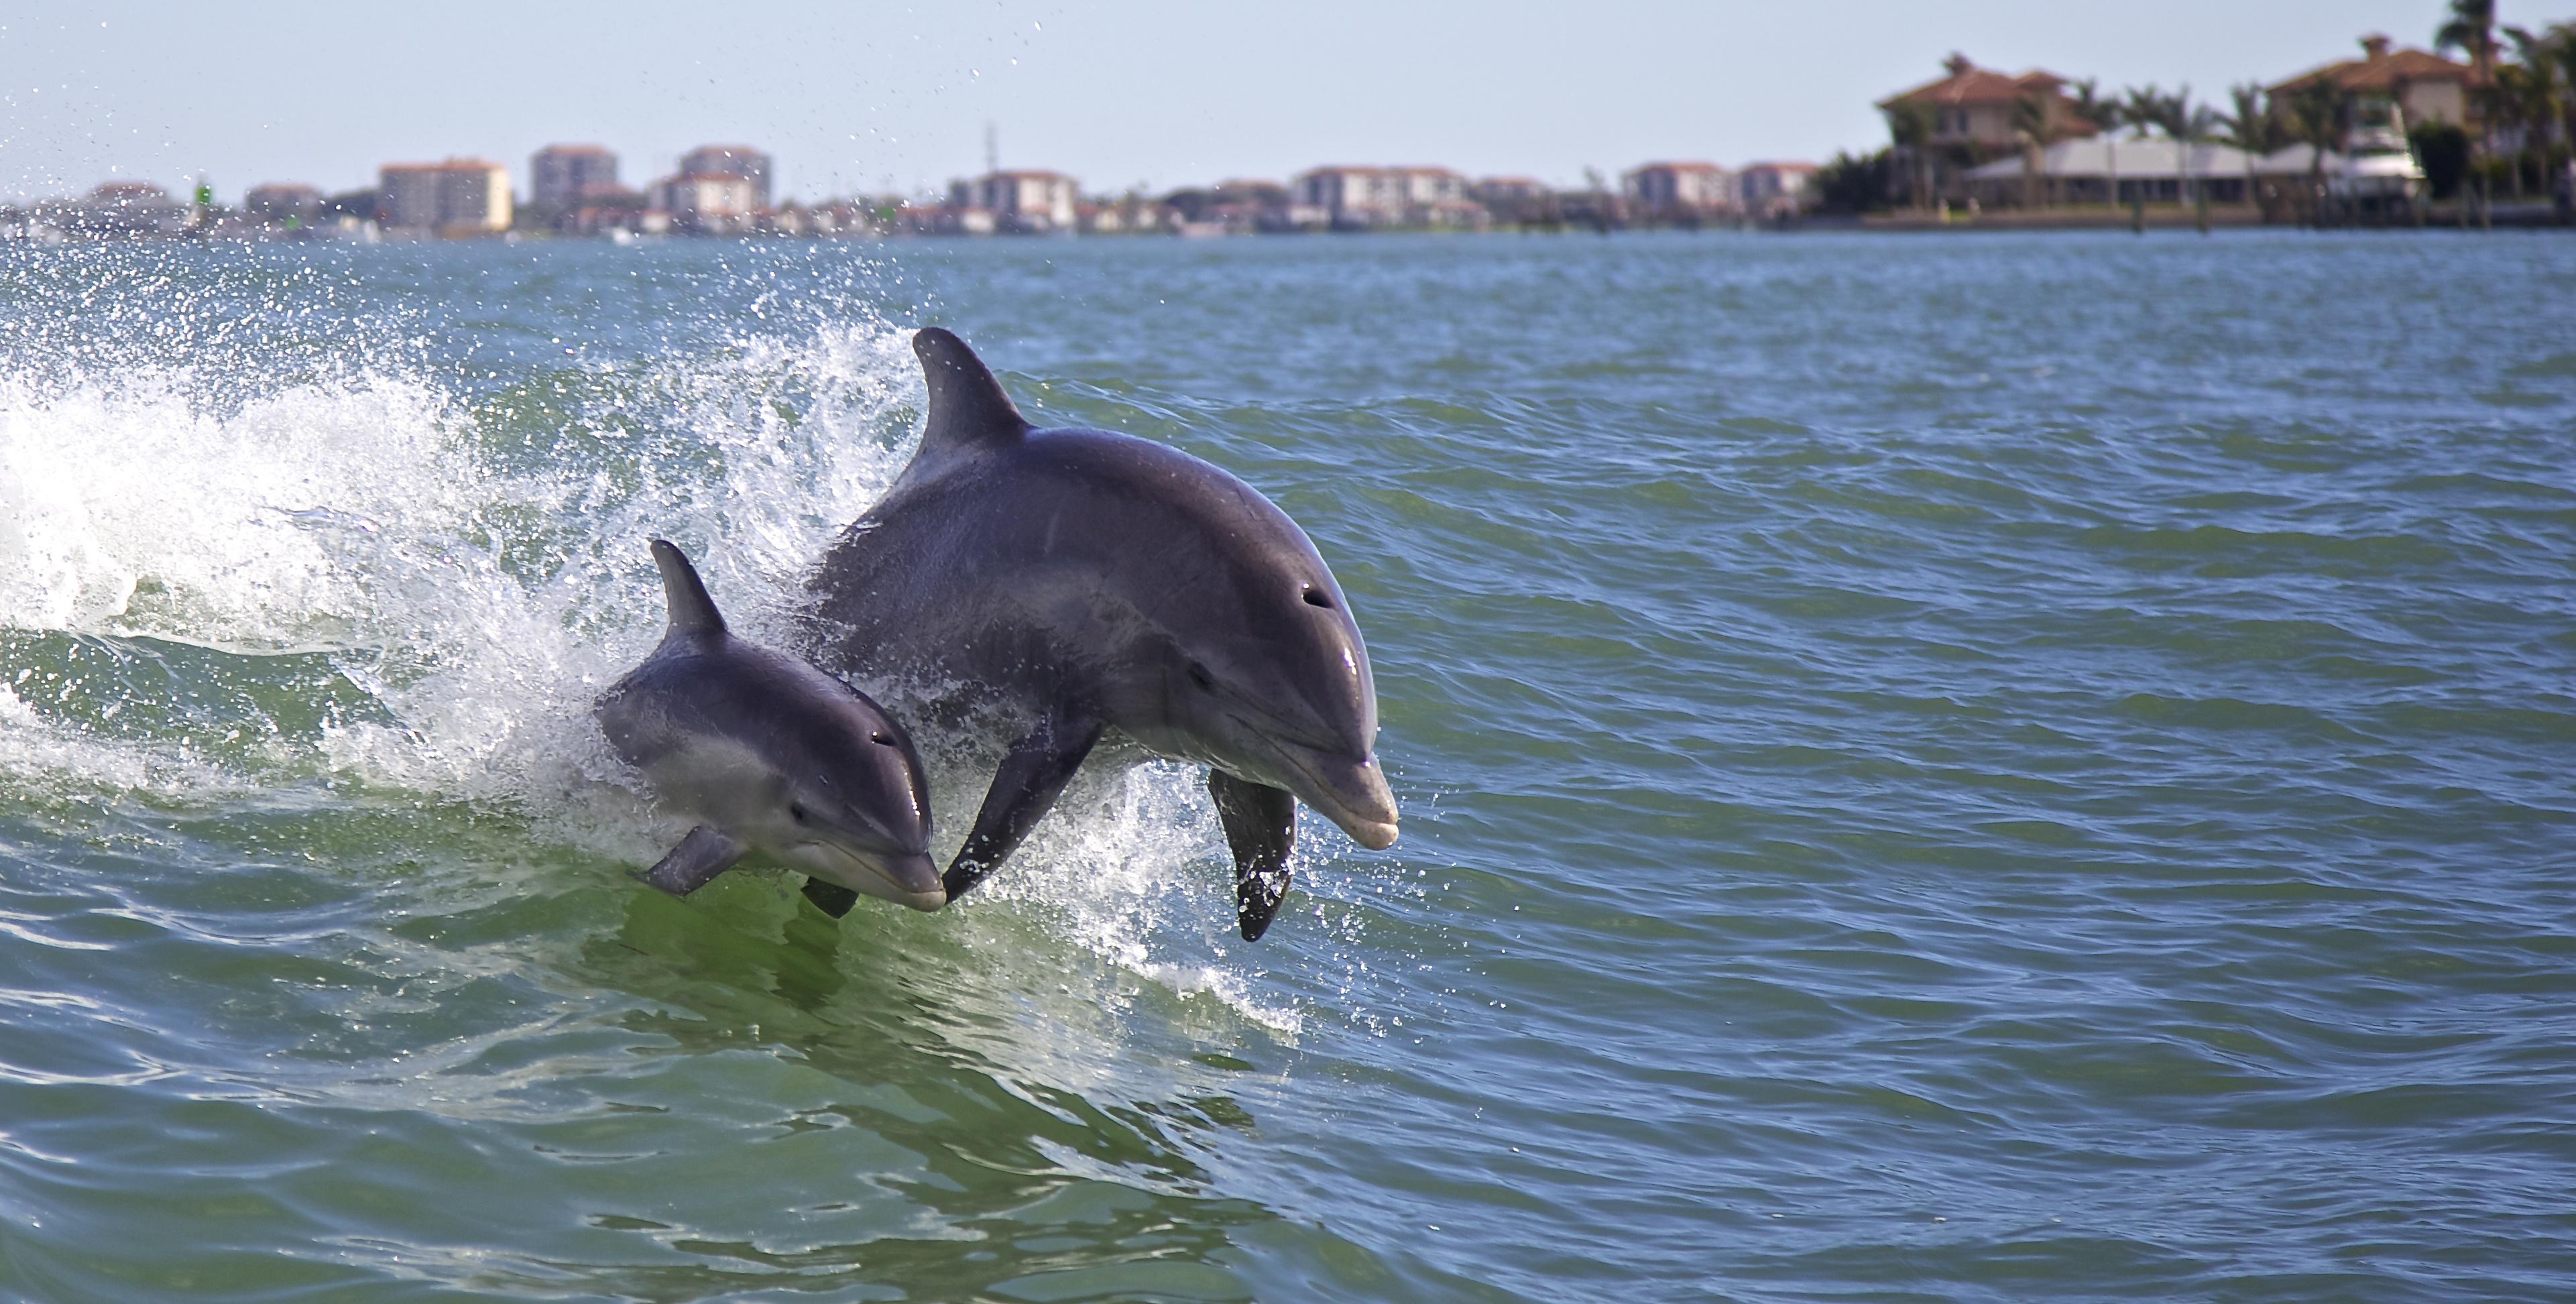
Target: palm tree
2471, 27
2185, 124
2138, 109
2251, 128
1909, 125
2314, 112
2031, 125
2563, 40
2537, 96
2090, 106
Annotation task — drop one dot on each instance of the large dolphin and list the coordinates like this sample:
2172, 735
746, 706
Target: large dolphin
773, 755
1082, 582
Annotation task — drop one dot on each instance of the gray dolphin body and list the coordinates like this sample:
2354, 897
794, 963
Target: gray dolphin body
1084, 582
773, 755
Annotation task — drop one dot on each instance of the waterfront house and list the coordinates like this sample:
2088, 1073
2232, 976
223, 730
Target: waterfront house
707, 203
1026, 201
457, 197
1972, 115
1678, 192
1359, 197
117, 208
2428, 87
1774, 190
566, 176
731, 161
2105, 170
1523, 200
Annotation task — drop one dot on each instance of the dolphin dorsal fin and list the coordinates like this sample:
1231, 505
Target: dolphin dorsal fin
692, 611
967, 406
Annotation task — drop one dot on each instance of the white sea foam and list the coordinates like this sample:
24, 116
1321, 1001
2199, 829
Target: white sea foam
482, 598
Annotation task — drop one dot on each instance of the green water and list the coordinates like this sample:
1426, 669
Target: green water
1949, 768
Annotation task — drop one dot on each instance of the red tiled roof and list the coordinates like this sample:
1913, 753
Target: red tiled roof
1781, 167
1974, 85
1678, 167
2384, 73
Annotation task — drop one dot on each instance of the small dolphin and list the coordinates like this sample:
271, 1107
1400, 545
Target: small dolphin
1087, 582
772, 755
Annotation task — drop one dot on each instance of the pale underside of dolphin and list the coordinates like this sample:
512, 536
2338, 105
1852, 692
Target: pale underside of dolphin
769, 754
1085, 583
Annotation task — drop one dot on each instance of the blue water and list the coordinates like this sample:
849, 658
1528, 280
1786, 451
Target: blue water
1949, 767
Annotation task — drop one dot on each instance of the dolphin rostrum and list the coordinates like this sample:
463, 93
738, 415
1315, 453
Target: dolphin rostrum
1084, 583
769, 754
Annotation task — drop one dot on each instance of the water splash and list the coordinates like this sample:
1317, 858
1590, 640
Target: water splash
472, 564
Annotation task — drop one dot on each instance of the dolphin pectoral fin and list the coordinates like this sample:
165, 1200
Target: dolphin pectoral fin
1031, 777
830, 898
694, 863
1260, 827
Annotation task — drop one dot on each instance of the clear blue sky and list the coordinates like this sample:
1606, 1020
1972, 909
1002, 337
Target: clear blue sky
1164, 92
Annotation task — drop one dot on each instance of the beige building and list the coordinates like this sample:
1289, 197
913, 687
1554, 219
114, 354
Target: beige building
1972, 107
1027, 200
1362, 196
1774, 189
731, 161
460, 196
563, 176
707, 203
1670, 190
1973, 114
2428, 87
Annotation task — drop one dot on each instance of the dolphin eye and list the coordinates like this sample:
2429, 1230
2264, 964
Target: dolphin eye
1199, 675
1316, 597
796, 811
881, 740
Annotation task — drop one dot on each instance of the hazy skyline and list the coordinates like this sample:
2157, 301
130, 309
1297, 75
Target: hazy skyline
1162, 93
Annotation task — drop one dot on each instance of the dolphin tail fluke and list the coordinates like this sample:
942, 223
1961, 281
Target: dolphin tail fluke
967, 405
1031, 777
692, 611
694, 863
1260, 828
830, 898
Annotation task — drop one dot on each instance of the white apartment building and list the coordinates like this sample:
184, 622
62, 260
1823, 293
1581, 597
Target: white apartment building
565, 175
1680, 189
1360, 196
706, 201
1026, 200
461, 196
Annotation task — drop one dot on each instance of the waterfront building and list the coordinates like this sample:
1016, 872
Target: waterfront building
1971, 115
563, 176
1772, 190
1508, 190
1669, 192
1973, 106
1360, 196
1524, 200
2428, 87
2104, 170
283, 203
707, 203
119, 208
1026, 201
457, 197
731, 161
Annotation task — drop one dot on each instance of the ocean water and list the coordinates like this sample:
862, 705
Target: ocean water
1992, 767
